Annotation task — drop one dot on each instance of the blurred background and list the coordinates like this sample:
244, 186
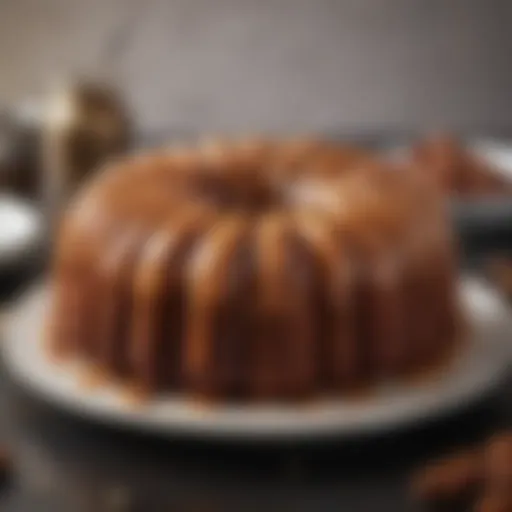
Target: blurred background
229, 65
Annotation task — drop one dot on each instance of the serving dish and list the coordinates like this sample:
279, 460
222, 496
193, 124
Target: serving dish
470, 376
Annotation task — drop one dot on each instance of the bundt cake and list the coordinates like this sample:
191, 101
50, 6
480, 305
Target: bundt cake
255, 271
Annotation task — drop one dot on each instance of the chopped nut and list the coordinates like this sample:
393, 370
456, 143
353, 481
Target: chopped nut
485, 474
448, 478
498, 462
493, 502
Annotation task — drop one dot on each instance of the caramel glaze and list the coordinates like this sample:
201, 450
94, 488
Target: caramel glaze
159, 293
201, 271
210, 352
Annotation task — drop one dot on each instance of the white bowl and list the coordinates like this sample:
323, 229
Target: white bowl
20, 231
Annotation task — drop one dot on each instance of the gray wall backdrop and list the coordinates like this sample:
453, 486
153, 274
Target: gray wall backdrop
273, 64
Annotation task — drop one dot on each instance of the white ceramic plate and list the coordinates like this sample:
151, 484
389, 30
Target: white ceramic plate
475, 372
20, 230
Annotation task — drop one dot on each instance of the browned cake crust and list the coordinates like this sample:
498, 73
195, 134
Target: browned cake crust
255, 270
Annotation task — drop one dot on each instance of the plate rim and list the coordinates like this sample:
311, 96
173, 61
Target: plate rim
202, 423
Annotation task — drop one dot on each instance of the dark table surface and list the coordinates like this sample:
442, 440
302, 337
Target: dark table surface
63, 463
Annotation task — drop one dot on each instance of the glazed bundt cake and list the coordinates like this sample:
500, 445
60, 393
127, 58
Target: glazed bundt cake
255, 271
